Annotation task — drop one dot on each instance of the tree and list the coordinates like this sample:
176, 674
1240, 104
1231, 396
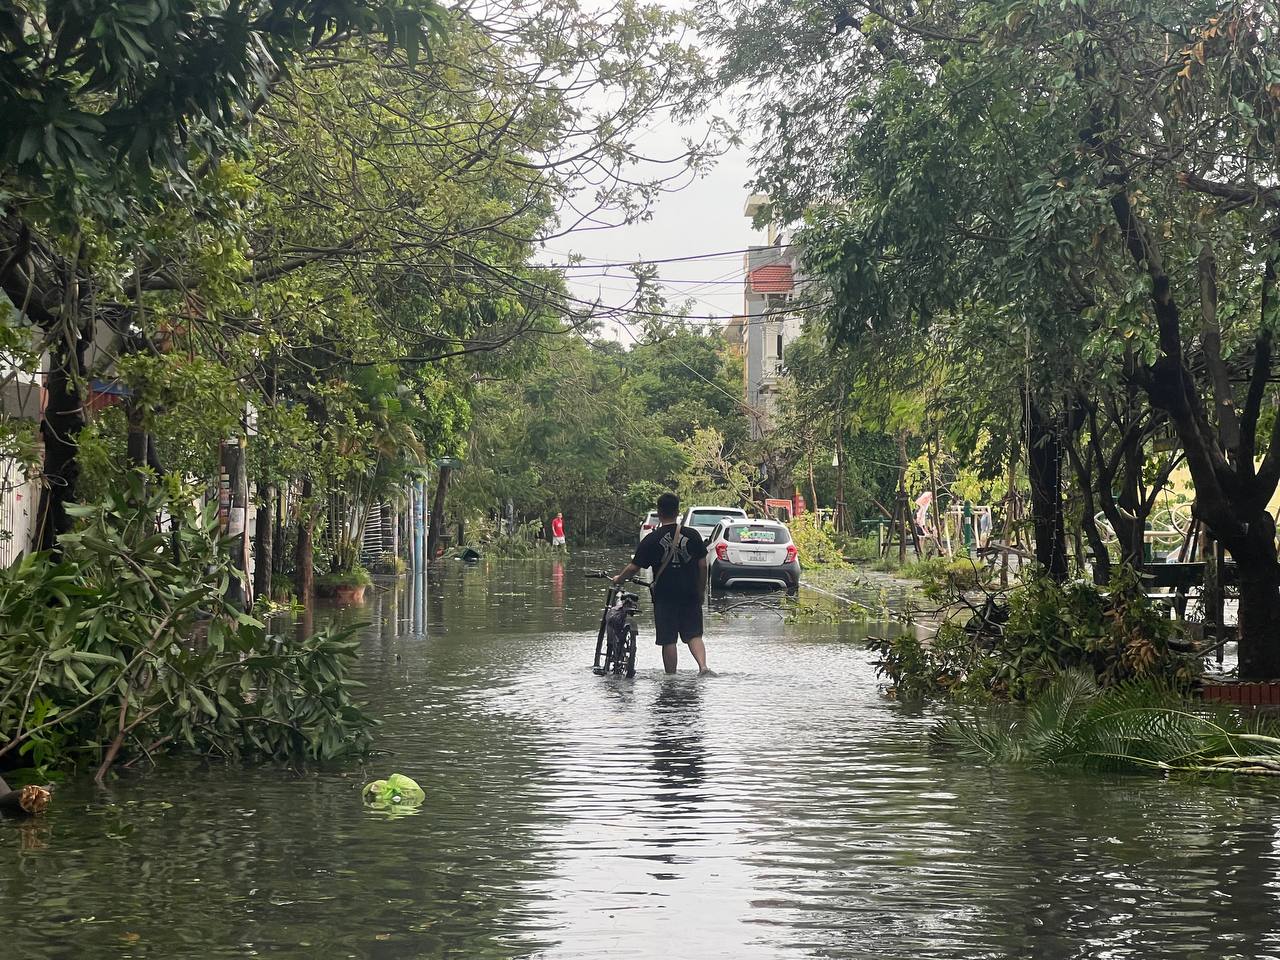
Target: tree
1053, 163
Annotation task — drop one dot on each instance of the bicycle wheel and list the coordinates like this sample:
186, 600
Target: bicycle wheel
631, 650
610, 656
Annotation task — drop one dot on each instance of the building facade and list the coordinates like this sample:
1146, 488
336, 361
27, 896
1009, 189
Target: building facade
767, 326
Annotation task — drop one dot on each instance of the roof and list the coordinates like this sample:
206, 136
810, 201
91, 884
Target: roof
771, 278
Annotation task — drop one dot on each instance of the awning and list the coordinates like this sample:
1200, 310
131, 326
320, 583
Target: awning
772, 278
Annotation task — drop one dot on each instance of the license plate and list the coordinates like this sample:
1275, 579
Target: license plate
757, 556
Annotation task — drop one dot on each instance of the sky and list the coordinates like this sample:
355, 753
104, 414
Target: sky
705, 217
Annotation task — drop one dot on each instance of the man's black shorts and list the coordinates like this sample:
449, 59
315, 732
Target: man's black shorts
681, 620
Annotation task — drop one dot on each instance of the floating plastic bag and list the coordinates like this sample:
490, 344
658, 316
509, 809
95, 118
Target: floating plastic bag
395, 792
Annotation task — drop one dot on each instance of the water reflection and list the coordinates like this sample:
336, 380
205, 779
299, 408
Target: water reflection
676, 741
779, 810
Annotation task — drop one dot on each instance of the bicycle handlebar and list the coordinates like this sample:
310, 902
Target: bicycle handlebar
601, 575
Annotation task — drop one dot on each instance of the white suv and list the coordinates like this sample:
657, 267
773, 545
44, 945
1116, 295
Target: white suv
753, 553
705, 519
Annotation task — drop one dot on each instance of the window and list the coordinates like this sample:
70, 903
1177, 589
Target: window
779, 348
747, 533
709, 518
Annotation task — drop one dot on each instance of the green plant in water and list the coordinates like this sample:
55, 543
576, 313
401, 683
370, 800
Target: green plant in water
356, 576
1147, 725
1116, 635
127, 645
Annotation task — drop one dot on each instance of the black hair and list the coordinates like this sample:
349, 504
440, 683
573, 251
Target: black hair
669, 506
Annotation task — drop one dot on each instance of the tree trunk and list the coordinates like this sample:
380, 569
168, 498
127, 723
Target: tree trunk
437, 514
1259, 621
304, 563
264, 544
1045, 469
64, 418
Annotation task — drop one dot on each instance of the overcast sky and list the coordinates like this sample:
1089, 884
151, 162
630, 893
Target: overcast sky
704, 217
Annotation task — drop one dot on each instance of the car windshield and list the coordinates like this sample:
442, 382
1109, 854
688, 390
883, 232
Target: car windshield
709, 518
744, 533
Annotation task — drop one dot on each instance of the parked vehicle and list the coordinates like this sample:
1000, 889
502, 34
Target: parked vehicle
650, 524
705, 519
753, 553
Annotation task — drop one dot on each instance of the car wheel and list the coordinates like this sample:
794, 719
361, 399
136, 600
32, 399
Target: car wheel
717, 581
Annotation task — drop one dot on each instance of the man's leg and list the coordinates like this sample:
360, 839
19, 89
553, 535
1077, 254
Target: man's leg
669, 655
699, 654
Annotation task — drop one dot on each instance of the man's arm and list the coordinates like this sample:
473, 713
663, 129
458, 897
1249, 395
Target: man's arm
629, 571
702, 578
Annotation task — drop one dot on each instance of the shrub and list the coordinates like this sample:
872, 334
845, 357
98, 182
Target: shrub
1136, 725
949, 664
1116, 635
814, 545
357, 576
128, 643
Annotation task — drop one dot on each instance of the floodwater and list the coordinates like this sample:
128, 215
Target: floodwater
782, 809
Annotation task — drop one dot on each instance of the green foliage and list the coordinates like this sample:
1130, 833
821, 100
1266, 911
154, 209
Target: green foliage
1149, 725
1115, 632
123, 99
1116, 635
596, 432
127, 643
858, 549
948, 665
815, 545
522, 543
390, 565
355, 576
943, 577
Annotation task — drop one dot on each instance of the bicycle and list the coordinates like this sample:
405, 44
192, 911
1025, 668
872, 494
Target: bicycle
618, 631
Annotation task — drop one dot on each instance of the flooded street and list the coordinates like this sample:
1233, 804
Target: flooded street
781, 809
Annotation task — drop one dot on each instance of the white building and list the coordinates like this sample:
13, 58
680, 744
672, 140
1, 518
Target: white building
768, 325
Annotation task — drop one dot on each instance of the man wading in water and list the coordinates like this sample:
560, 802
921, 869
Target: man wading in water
678, 557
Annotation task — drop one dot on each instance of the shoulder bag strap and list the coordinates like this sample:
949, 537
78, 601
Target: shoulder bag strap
675, 545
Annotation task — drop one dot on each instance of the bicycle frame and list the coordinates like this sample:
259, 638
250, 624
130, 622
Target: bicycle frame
611, 595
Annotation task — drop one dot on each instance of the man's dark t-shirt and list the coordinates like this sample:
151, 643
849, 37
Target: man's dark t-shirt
681, 581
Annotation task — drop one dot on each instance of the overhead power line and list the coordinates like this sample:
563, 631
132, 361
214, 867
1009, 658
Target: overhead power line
642, 260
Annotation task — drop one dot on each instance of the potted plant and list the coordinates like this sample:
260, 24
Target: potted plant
345, 586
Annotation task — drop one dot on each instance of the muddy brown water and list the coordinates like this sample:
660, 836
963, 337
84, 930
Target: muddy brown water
782, 809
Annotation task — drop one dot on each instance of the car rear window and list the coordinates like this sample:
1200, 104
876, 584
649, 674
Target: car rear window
709, 518
750, 534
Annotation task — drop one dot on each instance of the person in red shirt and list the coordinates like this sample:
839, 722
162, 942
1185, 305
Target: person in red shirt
557, 530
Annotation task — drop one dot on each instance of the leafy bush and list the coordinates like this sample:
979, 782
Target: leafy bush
1116, 635
858, 549
357, 576
1146, 725
814, 545
949, 664
128, 643
520, 544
